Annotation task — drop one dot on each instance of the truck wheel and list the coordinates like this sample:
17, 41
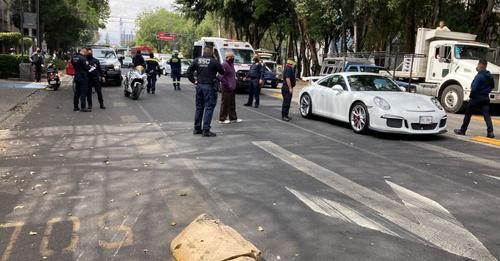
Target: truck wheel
452, 98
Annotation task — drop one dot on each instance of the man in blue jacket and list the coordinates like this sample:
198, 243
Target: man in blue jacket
256, 75
481, 87
175, 70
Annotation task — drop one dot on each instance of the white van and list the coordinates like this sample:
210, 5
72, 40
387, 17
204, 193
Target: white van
243, 56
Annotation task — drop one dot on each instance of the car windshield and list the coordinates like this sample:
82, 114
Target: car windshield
104, 53
241, 56
470, 52
372, 83
370, 69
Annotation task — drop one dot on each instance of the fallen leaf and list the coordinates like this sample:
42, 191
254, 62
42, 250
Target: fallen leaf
173, 224
261, 229
138, 194
111, 200
183, 194
145, 250
33, 233
45, 193
19, 207
70, 214
106, 162
32, 173
135, 170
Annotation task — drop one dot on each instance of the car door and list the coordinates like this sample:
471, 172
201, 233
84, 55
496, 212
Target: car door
336, 101
322, 87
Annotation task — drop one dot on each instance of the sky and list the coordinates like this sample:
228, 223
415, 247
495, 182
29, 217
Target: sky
128, 10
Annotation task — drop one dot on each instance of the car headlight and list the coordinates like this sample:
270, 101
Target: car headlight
437, 103
117, 66
381, 103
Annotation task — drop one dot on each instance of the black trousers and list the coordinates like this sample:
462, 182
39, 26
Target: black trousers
151, 82
287, 101
81, 91
228, 106
38, 72
254, 92
96, 85
475, 104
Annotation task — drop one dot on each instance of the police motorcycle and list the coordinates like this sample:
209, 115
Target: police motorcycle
135, 82
53, 77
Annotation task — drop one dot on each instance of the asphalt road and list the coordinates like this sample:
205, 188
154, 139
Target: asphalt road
121, 183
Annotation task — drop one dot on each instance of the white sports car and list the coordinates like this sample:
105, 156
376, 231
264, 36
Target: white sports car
372, 101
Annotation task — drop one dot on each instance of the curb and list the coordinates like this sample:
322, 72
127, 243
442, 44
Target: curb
12, 110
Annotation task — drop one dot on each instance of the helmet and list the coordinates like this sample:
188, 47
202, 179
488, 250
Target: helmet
140, 68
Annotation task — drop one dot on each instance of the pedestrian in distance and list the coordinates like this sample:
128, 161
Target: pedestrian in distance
175, 70
256, 76
442, 27
82, 69
481, 87
206, 68
289, 82
228, 85
138, 60
153, 71
95, 78
37, 61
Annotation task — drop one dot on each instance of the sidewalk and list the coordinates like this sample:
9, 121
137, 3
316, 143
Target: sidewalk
14, 92
476, 131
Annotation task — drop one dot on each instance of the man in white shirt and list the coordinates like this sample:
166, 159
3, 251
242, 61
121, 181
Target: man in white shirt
442, 27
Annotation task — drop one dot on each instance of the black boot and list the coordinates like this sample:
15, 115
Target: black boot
208, 134
490, 135
459, 131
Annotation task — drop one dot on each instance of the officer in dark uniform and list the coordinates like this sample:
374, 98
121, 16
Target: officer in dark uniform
138, 59
82, 69
95, 78
256, 75
38, 61
206, 68
289, 82
175, 70
152, 69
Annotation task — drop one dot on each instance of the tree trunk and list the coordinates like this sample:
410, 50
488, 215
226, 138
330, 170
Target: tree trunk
410, 26
438, 4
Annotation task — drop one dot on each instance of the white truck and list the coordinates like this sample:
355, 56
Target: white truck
243, 56
444, 65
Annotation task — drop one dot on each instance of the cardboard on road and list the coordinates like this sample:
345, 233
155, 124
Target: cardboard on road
208, 239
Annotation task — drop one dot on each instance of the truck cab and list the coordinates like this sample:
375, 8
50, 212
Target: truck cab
444, 66
243, 55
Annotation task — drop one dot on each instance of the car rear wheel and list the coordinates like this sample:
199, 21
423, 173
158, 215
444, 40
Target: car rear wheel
359, 118
306, 106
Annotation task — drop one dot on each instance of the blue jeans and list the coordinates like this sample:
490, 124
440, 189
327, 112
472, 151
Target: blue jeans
206, 99
287, 101
254, 92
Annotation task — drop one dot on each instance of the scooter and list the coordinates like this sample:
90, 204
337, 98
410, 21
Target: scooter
135, 82
53, 77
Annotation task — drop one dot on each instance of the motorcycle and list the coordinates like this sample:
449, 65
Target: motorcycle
135, 82
53, 77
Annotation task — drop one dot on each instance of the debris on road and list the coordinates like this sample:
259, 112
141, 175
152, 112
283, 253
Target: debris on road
33, 233
261, 229
208, 239
173, 224
183, 194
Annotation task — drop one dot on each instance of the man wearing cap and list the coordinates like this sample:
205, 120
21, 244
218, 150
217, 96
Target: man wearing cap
38, 61
256, 75
175, 70
289, 82
481, 87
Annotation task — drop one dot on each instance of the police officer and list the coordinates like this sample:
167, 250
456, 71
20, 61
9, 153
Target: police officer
82, 68
481, 87
256, 75
95, 78
289, 82
138, 59
175, 70
152, 69
206, 68
38, 61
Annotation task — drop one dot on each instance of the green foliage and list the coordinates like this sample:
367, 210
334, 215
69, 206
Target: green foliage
9, 65
151, 22
10, 38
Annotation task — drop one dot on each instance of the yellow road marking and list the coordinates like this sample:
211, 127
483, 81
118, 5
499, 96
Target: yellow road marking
276, 95
13, 238
44, 245
481, 139
480, 118
127, 240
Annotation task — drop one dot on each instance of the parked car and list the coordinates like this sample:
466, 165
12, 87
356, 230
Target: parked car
127, 62
270, 77
372, 101
110, 65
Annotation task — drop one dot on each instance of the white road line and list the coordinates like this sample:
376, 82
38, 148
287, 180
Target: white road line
493, 177
457, 154
439, 231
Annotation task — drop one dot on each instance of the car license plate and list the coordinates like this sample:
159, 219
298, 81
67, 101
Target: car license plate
52, 82
268, 81
425, 120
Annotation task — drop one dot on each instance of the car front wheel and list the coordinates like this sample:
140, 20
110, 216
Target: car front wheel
359, 118
306, 106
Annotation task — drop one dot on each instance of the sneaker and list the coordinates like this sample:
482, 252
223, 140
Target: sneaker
86, 110
103, 107
490, 135
237, 121
459, 132
284, 118
227, 122
197, 132
208, 134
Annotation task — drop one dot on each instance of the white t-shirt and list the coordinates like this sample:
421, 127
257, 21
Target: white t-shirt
444, 28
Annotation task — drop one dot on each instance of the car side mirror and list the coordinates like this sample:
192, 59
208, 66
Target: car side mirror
337, 88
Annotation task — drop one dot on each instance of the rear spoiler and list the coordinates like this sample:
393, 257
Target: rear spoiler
311, 79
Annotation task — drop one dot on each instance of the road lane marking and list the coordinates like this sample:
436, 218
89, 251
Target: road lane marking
18, 226
44, 245
495, 142
493, 177
127, 240
433, 224
129, 119
457, 154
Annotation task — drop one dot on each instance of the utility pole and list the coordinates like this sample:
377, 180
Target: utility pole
38, 29
22, 27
